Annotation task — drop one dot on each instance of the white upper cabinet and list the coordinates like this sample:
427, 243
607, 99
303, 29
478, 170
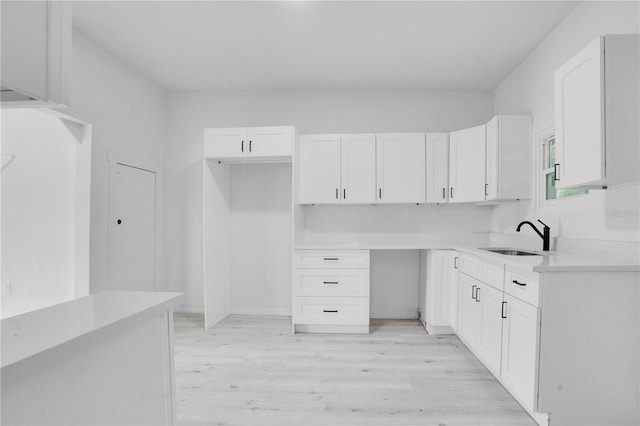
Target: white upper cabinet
36, 53
437, 149
508, 158
358, 168
467, 165
597, 114
320, 169
400, 167
249, 144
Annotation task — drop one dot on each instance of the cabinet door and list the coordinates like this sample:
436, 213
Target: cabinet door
468, 311
358, 168
270, 141
36, 53
440, 284
320, 169
579, 114
226, 143
437, 153
519, 350
400, 168
490, 340
492, 163
467, 165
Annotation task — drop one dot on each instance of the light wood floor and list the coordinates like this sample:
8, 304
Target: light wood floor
251, 370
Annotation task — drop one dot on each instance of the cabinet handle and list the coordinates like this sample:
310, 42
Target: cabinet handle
478, 294
556, 171
518, 283
337, 196
504, 305
451, 192
332, 311
473, 292
444, 193
455, 262
331, 282
250, 146
380, 193
344, 194
485, 189
242, 146
334, 259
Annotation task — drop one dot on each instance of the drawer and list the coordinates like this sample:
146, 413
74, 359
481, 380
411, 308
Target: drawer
468, 264
524, 285
331, 310
491, 273
331, 259
330, 282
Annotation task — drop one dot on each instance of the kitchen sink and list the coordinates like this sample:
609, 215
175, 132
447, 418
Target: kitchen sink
511, 252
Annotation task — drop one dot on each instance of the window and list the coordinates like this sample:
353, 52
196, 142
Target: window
549, 175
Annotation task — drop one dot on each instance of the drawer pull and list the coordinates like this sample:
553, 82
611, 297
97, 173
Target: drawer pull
331, 282
331, 259
518, 283
330, 311
478, 294
455, 262
504, 316
473, 292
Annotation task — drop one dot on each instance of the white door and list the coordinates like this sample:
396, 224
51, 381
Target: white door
358, 168
579, 113
400, 167
132, 229
320, 169
519, 349
226, 142
490, 343
467, 165
437, 147
269, 141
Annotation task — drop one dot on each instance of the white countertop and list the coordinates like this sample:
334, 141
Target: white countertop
552, 261
33, 333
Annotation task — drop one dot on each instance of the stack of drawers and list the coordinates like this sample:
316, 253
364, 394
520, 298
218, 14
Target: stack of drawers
331, 291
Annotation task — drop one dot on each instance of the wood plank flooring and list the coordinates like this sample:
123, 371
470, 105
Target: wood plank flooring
250, 370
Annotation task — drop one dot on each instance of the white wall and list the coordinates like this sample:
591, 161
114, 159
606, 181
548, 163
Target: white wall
612, 214
127, 112
261, 239
395, 278
310, 111
38, 211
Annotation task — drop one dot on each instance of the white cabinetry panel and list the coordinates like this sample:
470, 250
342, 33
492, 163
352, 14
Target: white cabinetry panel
320, 169
358, 168
467, 165
437, 169
400, 167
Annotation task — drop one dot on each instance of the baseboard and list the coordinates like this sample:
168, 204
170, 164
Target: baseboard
439, 329
261, 311
408, 314
318, 328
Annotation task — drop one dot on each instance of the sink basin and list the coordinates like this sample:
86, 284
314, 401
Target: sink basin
512, 252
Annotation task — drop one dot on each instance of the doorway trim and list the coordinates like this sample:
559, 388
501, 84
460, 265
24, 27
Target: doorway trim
115, 158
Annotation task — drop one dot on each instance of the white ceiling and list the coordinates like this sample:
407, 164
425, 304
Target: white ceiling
192, 45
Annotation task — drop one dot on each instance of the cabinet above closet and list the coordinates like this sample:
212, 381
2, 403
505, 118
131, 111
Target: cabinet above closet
249, 144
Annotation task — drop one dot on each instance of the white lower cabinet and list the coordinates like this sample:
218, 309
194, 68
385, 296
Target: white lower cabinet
331, 291
518, 371
490, 338
499, 326
468, 310
439, 290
